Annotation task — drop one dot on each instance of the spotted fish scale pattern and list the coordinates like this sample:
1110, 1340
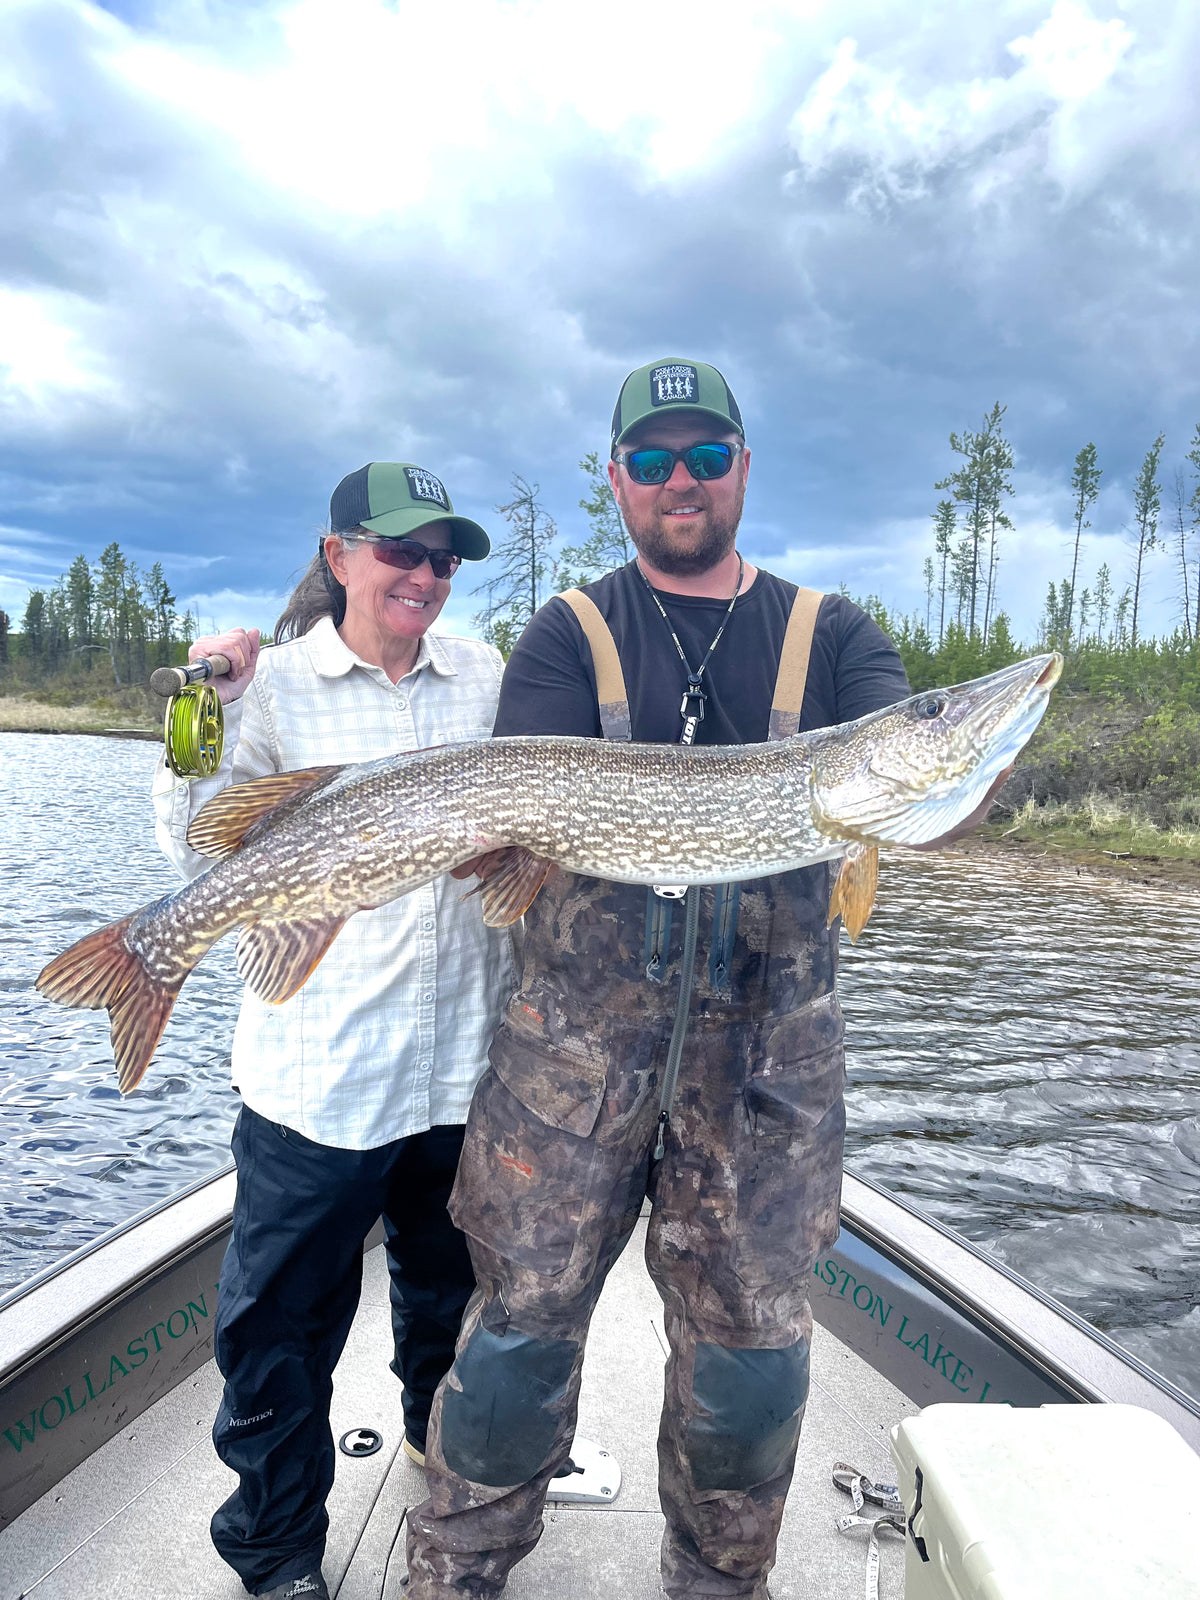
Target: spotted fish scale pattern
301, 852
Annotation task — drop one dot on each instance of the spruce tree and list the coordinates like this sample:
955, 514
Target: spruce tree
945, 525
80, 604
514, 591
607, 544
1147, 502
1085, 481
111, 581
1104, 590
999, 485
1193, 456
1182, 552
33, 626
979, 486
161, 605
928, 574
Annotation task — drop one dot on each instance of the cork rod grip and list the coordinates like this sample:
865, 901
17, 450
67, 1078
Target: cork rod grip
169, 680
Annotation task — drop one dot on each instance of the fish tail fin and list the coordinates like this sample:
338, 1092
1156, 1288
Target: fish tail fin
102, 970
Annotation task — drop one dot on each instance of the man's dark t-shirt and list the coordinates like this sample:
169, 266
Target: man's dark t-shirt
550, 683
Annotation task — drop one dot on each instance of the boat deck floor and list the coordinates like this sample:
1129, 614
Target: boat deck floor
133, 1519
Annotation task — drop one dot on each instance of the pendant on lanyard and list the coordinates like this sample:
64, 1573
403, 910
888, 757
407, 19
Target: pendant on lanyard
692, 719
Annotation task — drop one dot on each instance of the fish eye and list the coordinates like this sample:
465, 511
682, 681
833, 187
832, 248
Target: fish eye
932, 706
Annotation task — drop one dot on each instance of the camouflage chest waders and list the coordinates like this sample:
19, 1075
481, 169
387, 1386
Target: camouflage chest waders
558, 1157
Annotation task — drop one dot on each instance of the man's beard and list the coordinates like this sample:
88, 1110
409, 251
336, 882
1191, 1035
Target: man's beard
651, 542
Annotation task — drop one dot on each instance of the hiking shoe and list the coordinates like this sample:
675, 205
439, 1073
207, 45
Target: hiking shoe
411, 1451
310, 1587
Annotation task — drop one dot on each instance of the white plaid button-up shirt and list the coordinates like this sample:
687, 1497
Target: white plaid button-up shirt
390, 1034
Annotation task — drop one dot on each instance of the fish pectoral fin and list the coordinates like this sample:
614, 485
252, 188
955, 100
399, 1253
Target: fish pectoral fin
276, 958
511, 878
853, 894
221, 826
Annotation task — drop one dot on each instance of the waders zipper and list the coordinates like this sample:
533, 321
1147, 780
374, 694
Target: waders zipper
658, 934
682, 1009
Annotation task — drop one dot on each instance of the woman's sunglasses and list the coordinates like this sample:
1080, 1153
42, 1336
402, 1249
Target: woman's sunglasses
703, 461
408, 554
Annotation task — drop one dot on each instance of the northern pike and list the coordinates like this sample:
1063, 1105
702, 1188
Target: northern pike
300, 852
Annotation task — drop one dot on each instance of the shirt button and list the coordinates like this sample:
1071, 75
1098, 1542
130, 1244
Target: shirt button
402, 703
428, 926
428, 996
426, 1066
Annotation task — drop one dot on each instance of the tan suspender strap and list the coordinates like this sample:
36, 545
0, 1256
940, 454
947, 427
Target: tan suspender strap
788, 702
610, 680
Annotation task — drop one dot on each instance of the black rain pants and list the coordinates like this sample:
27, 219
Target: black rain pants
290, 1286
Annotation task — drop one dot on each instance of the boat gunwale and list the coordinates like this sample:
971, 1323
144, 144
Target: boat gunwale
37, 1312
990, 1314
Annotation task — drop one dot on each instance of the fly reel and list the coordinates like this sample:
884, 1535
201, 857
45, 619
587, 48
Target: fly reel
194, 731
194, 722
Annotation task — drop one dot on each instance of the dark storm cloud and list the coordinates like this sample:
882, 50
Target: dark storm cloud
896, 235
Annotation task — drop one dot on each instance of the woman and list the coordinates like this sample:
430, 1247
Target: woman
354, 1091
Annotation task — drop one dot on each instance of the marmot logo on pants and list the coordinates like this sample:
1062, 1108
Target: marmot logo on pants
245, 1422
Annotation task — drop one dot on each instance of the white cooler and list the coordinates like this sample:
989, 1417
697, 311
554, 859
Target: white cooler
1096, 1501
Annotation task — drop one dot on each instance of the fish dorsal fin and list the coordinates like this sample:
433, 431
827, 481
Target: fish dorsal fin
276, 958
512, 878
221, 826
854, 892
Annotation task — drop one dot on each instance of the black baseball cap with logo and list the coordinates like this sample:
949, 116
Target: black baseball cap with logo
396, 498
673, 385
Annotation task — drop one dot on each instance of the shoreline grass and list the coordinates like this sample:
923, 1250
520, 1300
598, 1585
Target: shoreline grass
1106, 824
25, 714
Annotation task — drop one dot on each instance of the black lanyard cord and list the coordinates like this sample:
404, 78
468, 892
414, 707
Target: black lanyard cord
691, 707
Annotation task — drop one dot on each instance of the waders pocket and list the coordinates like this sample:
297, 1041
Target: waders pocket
528, 1160
789, 1168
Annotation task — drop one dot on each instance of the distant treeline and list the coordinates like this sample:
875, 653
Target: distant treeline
961, 577
1153, 669
114, 611
110, 617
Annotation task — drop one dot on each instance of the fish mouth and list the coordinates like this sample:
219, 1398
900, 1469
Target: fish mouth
987, 741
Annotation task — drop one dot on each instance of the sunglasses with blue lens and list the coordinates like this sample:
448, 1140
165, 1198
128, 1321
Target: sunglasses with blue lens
655, 465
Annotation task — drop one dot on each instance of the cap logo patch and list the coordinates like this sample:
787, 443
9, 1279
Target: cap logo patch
424, 486
672, 384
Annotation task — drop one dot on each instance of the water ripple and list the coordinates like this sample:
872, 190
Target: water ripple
76, 850
1024, 1062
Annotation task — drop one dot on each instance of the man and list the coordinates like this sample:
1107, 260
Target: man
578, 1118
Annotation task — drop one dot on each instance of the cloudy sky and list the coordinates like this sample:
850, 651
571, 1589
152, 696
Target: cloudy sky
246, 247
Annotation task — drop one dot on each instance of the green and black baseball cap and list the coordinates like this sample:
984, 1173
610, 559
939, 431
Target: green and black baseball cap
673, 385
396, 498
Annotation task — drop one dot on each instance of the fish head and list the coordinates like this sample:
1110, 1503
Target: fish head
914, 771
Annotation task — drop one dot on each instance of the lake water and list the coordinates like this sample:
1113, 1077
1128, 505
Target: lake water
1024, 1055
